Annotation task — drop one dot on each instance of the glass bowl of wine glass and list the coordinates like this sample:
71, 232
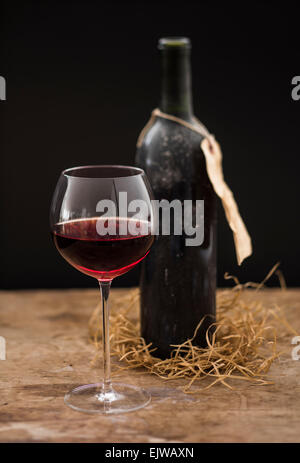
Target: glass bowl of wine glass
102, 220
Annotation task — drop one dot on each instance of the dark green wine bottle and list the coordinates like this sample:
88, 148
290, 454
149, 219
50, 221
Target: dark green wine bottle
178, 282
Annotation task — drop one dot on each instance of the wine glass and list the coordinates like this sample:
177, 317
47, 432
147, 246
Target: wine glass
102, 222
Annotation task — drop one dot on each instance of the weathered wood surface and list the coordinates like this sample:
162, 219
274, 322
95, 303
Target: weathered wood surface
48, 353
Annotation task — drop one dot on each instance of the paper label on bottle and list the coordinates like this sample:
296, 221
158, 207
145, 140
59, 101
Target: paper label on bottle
213, 157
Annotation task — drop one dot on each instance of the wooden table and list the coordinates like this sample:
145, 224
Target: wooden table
48, 353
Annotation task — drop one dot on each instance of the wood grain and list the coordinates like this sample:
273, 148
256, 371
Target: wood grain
48, 352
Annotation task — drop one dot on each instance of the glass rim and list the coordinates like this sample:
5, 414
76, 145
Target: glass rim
137, 171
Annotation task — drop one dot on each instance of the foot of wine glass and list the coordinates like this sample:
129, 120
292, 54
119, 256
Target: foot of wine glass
106, 397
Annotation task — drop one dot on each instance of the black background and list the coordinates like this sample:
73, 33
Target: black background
82, 78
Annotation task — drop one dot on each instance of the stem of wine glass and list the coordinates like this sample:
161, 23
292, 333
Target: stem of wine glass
104, 288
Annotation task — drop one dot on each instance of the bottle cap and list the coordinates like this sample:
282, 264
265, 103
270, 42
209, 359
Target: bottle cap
174, 42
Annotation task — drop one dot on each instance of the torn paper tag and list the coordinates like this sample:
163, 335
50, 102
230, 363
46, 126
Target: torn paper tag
213, 157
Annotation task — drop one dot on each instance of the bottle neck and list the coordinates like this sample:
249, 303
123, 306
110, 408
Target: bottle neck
176, 93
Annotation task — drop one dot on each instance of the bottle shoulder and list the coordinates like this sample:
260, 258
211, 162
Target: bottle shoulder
173, 130
168, 138
172, 158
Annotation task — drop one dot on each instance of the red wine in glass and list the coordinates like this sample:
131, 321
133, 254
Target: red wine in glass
102, 257
104, 248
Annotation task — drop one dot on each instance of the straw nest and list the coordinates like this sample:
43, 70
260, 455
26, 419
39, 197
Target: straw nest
243, 346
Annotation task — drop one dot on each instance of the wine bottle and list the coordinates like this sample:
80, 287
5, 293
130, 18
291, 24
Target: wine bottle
177, 282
